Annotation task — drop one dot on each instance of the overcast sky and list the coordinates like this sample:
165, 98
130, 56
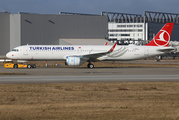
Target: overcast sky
89, 6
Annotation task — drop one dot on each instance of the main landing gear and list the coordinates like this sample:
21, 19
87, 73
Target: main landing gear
90, 65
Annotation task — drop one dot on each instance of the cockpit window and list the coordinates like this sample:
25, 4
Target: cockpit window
16, 50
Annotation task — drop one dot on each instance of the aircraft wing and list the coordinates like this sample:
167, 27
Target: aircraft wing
93, 57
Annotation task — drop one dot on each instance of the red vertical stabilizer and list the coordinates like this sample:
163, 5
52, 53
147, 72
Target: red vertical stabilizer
163, 36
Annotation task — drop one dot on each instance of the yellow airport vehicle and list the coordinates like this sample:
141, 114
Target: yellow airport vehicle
10, 64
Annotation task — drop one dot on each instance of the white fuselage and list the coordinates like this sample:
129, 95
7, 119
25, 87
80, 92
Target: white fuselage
60, 52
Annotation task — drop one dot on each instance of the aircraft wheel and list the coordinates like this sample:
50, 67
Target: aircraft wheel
90, 66
28, 66
15, 66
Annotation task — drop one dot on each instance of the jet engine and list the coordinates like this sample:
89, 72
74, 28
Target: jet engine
74, 61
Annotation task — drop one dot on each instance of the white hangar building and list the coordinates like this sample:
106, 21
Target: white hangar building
135, 28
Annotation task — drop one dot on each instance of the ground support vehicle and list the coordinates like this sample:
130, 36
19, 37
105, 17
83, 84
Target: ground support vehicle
10, 64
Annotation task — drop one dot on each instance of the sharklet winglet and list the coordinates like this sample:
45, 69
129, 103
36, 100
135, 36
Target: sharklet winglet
113, 47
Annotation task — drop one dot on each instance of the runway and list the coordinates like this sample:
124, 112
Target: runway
96, 78
67, 75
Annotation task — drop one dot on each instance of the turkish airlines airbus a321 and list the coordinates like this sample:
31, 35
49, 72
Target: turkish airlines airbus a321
76, 55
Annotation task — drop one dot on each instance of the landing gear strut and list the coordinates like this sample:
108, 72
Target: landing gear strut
90, 65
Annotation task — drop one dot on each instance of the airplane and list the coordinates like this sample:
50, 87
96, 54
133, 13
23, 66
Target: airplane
77, 55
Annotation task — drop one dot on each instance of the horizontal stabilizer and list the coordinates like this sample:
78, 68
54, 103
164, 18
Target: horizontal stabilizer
167, 49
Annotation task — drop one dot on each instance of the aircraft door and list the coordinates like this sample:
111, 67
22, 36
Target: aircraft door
146, 51
25, 50
80, 50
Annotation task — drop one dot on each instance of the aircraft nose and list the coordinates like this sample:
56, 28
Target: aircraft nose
9, 55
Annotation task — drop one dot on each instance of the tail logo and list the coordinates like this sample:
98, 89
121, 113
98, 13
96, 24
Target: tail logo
162, 38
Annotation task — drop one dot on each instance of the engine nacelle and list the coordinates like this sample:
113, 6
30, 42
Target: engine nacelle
74, 61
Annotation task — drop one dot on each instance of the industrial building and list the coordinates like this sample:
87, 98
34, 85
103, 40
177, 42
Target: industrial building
135, 28
24, 28
74, 28
126, 31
